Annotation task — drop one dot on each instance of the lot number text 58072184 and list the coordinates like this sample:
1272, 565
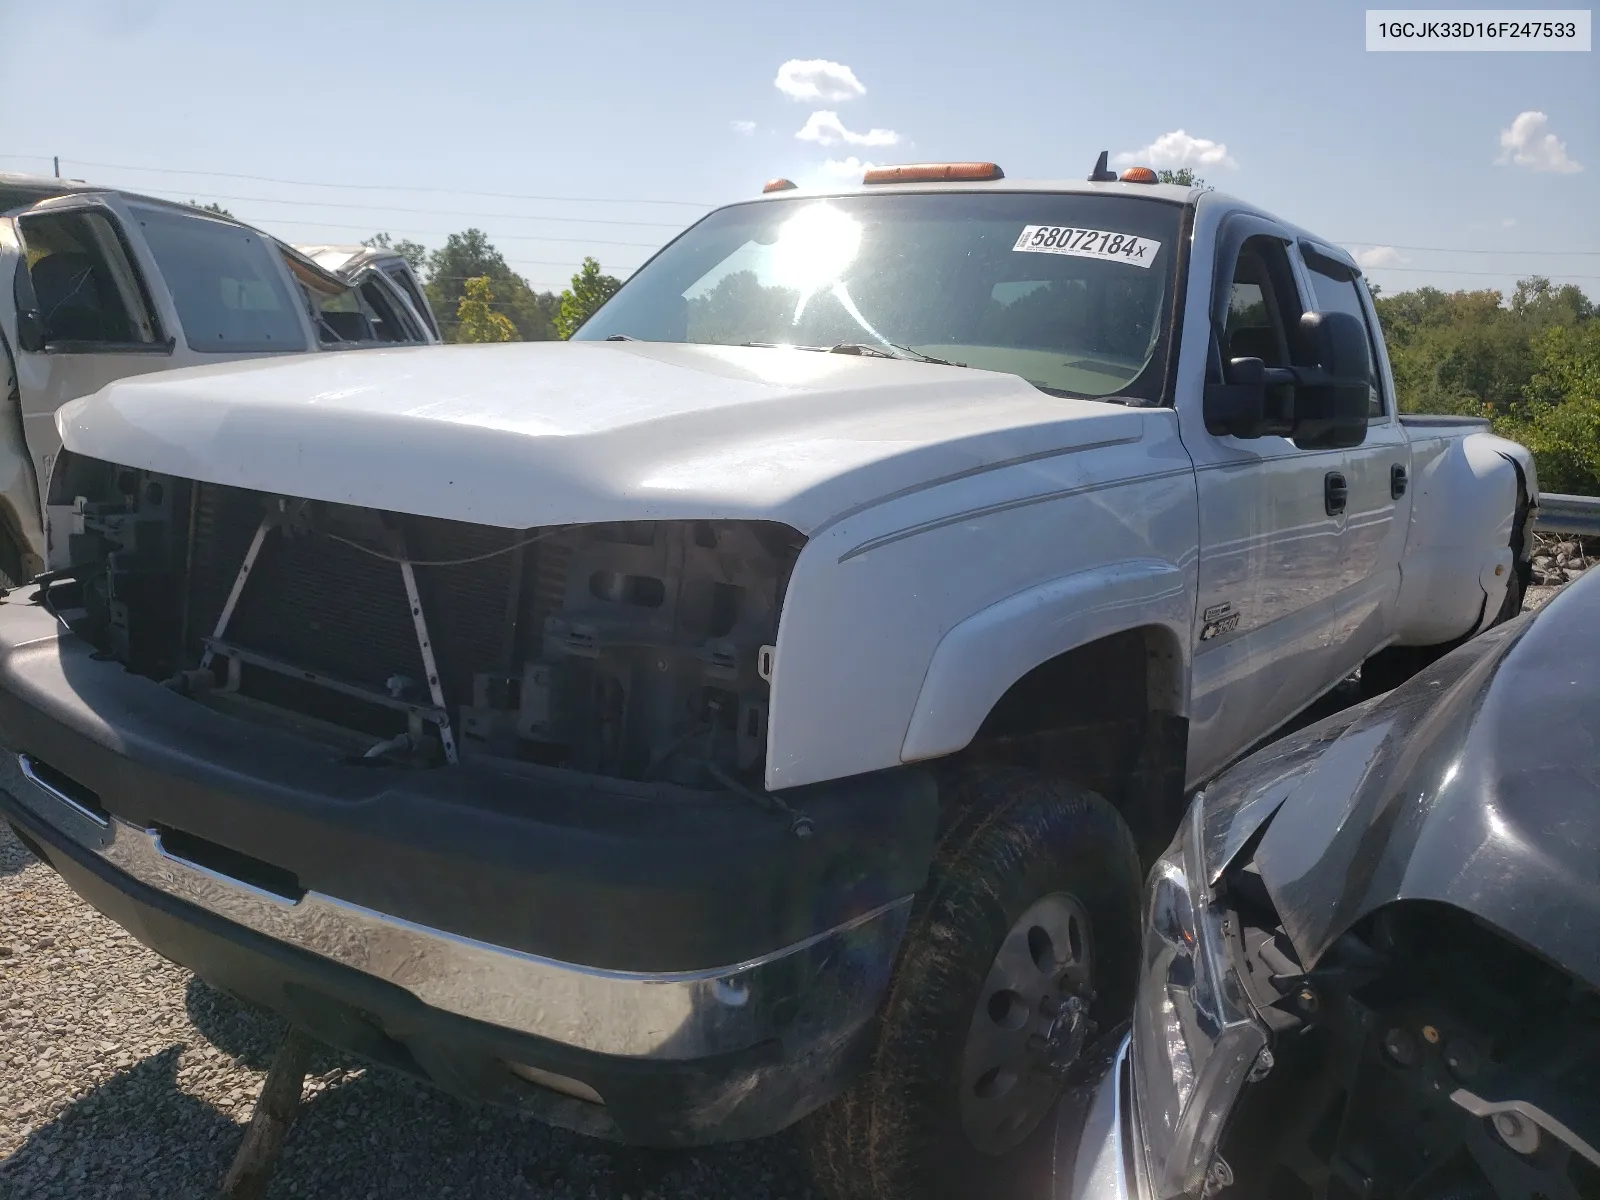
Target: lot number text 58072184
1087, 243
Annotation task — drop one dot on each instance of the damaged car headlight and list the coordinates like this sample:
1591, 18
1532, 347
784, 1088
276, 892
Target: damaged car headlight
1195, 1037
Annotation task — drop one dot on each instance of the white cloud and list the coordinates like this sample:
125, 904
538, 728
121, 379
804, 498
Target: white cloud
1377, 256
1529, 143
1178, 149
818, 79
826, 129
1508, 222
846, 170
746, 128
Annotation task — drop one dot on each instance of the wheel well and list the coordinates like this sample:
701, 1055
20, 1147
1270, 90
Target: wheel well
1108, 716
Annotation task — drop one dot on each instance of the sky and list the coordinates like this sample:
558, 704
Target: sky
573, 129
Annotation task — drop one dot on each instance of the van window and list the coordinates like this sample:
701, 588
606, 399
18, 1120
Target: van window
226, 284
408, 283
86, 291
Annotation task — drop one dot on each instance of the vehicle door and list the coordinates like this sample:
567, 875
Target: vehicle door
394, 312
1271, 519
83, 309
406, 280
1377, 472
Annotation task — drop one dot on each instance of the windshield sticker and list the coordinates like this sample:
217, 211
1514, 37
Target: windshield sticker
1088, 243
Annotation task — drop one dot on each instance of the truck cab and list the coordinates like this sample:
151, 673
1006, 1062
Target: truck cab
98, 285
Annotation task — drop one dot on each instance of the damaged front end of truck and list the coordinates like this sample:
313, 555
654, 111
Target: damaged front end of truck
482, 804
634, 650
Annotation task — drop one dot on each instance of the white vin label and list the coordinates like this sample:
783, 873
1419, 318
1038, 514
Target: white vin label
1088, 243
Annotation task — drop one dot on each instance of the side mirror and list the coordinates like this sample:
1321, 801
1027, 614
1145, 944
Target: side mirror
30, 322
30, 331
1321, 405
1332, 396
1253, 402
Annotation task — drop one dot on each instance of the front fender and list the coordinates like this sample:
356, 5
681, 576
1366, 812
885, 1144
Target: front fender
979, 659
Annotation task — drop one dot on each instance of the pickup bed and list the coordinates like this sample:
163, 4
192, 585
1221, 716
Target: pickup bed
761, 709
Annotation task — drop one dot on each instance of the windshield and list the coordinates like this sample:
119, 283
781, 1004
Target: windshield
1071, 292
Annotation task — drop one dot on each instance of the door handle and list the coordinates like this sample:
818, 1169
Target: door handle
1397, 481
1335, 493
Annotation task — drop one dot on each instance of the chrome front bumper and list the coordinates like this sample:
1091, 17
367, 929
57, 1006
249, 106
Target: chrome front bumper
823, 986
1100, 1154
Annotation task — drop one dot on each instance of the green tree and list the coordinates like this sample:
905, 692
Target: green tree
1560, 420
213, 207
476, 319
583, 299
470, 255
1464, 352
415, 253
1182, 176
1530, 363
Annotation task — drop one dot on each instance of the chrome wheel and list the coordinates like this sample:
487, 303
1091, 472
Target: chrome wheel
1030, 1023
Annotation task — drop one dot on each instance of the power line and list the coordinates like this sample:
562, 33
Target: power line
1466, 250
499, 237
433, 212
613, 200
365, 187
1447, 271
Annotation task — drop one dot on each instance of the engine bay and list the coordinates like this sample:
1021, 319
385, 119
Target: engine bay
1425, 1056
639, 650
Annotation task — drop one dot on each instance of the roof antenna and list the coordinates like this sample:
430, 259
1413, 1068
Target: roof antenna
1101, 173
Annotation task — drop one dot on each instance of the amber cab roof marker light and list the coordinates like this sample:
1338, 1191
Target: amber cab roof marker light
959, 172
1140, 175
778, 185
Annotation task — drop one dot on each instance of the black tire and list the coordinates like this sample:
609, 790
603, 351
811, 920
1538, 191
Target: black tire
11, 569
1011, 839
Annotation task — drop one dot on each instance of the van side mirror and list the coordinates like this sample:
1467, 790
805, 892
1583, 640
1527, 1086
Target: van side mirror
30, 322
30, 331
1332, 396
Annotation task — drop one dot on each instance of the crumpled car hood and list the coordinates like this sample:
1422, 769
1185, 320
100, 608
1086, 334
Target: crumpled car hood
550, 433
1475, 784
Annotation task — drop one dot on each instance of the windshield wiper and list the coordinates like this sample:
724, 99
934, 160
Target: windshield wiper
865, 349
621, 337
891, 350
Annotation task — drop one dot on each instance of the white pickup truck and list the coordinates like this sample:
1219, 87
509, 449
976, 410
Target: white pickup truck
98, 284
762, 707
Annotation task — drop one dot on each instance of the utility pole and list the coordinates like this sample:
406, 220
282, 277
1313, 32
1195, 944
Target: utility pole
58, 166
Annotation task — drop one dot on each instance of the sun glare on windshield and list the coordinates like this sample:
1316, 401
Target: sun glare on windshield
814, 249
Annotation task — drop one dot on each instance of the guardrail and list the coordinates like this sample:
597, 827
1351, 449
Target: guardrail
1568, 514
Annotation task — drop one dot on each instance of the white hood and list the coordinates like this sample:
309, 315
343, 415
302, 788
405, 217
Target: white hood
547, 433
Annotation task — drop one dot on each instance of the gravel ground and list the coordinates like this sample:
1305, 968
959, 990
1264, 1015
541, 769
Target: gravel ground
121, 1075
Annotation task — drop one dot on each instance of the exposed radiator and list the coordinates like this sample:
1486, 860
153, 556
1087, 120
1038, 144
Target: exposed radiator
320, 604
